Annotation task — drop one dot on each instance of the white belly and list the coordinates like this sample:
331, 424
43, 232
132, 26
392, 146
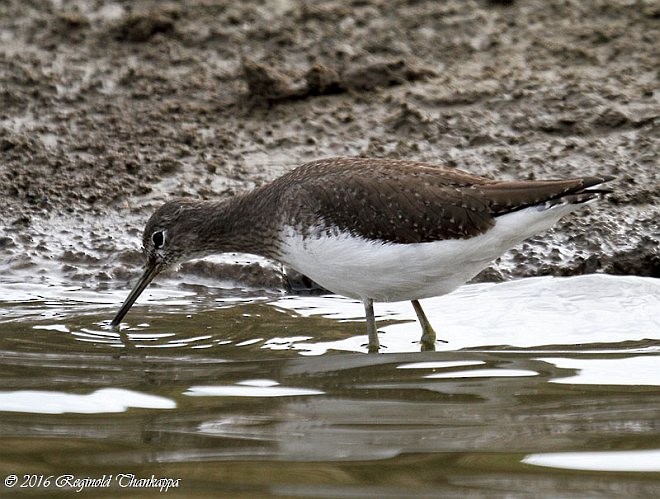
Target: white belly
360, 268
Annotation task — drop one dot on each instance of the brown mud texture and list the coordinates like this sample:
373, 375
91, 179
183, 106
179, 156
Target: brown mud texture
107, 108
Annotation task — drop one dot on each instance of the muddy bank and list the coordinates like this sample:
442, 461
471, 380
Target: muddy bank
108, 108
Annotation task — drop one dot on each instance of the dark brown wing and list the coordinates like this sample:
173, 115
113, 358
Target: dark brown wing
387, 200
408, 202
393, 210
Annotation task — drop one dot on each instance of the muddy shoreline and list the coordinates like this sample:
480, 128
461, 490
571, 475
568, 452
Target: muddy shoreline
108, 108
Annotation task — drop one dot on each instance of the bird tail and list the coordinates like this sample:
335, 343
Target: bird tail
507, 197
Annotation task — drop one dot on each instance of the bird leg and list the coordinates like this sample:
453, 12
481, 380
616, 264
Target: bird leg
371, 325
428, 334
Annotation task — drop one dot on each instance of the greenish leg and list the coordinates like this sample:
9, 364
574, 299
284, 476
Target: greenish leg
428, 333
371, 325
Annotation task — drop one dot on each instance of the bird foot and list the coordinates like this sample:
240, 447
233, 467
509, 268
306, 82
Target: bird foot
373, 347
428, 345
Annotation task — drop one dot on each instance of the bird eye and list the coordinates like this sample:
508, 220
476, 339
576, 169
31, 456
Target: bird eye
158, 239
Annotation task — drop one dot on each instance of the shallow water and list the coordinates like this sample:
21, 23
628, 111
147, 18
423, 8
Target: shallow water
546, 384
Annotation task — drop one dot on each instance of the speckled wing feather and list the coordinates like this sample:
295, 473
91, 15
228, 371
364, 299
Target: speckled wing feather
387, 200
409, 202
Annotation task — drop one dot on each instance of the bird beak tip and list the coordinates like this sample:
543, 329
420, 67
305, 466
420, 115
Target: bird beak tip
149, 273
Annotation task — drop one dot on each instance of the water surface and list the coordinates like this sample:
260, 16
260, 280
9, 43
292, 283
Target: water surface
546, 384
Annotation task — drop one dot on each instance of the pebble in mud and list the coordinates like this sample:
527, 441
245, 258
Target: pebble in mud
141, 26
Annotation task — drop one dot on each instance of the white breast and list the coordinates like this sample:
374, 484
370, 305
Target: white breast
360, 268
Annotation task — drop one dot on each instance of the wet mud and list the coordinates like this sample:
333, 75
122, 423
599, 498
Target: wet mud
109, 108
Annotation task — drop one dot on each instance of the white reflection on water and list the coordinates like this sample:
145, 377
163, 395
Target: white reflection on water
440, 364
484, 373
524, 313
60, 328
632, 460
640, 370
250, 388
284, 343
101, 401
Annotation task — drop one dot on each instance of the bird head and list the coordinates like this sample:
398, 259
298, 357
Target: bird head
166, 241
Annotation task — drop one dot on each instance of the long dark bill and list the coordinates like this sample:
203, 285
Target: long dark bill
150, 272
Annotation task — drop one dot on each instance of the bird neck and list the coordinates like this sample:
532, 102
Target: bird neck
246, 223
